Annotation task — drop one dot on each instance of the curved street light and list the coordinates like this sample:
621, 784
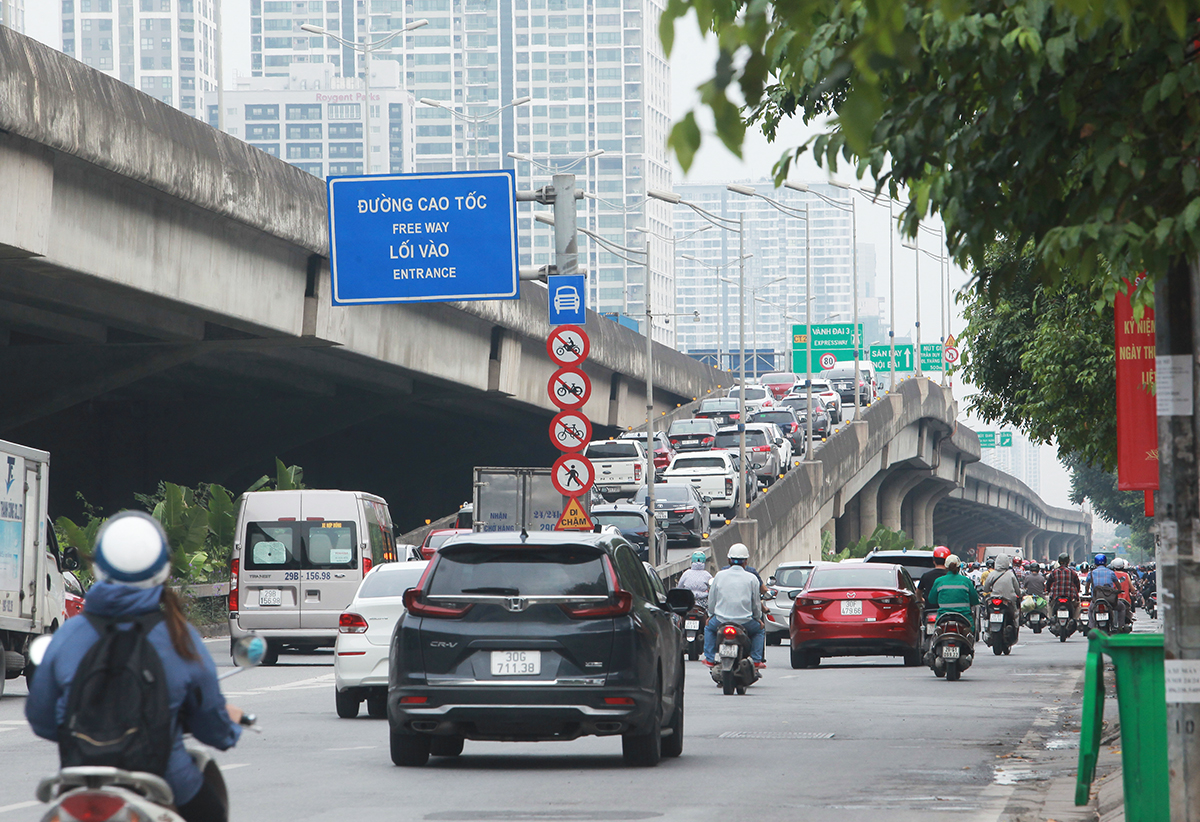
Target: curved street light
473, 119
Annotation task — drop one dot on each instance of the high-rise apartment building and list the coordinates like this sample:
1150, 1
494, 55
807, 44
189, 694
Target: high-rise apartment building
12, 14
1022, 459
596, 80
775, 272
166, 48
314, 118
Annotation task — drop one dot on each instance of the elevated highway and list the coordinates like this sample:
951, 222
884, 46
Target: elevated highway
165, 313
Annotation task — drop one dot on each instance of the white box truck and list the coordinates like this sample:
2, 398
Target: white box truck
31, 581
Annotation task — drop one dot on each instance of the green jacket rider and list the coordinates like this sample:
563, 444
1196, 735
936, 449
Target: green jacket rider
954, 592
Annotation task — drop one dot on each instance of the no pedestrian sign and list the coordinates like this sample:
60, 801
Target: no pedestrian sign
574, 518
572, 475
423, 237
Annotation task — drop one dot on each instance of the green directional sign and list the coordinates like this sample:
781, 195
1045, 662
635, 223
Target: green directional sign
826, 337
1006, 439
987, 439
839, 355
881, 356
931, 356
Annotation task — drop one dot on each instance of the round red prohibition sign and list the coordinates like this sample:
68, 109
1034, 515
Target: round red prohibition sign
951, 354
573, 475
828, 361
568, 345
570, 431
569, 388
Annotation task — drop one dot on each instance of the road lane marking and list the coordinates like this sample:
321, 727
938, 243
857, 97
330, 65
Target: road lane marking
235, 765
19, 806
312, 683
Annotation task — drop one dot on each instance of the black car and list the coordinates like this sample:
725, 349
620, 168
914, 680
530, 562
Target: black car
918, 563
820, 414
692, 435
722, 411
633, 523
680, 510
549, 636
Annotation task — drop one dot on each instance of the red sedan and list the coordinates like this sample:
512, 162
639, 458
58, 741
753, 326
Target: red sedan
435, 538
856, 610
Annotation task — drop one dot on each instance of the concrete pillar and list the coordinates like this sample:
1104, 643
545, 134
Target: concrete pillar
847, 528
924, 497
891, 496
868, 504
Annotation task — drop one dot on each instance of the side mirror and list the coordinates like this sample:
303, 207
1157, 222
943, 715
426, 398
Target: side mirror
680, 600
707, 499
70, 559
248, 652
793, 594
772, 581
779, 440
769, 595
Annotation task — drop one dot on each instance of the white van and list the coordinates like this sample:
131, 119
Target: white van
298, 559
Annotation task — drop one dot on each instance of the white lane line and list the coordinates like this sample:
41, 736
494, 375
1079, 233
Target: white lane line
19, 806
235, 765
359, 748
12, 722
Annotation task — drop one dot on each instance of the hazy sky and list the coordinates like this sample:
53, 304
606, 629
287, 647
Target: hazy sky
691, 63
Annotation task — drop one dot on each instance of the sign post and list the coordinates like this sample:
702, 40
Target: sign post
423, 237
570, 430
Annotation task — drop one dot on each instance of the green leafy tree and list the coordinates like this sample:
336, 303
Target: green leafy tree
1042, 359
1071, 125
882, 538
1127, 508
287, 478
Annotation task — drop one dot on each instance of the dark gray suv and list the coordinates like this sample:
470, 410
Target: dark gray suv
551, 636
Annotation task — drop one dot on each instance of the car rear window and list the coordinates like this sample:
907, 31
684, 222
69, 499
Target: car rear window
779, 378
729, 439
665, 493
519, 570
860, 577
911, 560
792, 577
611, 450
278, 546
774, 416
690, 427
752, 393
799, 403
436, 540
392, 581
698, 462
709, 406
624, 521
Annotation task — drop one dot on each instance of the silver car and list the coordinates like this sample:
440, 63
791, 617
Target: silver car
788, 577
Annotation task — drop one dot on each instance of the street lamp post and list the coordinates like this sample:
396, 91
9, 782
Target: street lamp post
366, 47
716, 268
474, 119
754, 320
737, 226
875, 198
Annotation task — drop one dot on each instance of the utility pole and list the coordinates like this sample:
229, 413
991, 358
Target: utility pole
652, 525
1177, 320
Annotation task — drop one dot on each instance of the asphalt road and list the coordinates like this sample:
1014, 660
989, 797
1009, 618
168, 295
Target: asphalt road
856, 740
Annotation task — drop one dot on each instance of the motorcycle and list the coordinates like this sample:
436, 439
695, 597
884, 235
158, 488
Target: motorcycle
928, 630
1102, 615
693, 631
1032, 615
1061, 624
952, 646
1001, 633
1152, 604
102, 793
734, 670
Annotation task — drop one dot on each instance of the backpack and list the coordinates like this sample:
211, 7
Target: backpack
118, 708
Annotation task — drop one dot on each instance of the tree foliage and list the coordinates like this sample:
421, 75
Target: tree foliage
1071, 125
883, 538
1042, 359
1122, 507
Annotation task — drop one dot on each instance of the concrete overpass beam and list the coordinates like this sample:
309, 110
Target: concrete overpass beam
925, 498
868, 504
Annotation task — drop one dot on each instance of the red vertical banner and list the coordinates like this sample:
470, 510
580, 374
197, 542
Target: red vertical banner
1137, 420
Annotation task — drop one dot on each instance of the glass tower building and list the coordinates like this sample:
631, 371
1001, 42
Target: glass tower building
166, 48
12, 14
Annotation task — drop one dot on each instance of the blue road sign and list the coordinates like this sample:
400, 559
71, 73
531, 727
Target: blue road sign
423, 237
568, 299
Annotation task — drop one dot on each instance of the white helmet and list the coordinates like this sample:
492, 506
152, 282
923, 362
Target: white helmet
131, 549
738, 551
1118, 564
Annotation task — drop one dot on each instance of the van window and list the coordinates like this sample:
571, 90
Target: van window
379, 532
276, 546
731, 439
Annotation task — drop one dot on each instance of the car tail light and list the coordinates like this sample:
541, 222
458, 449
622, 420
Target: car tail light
675, 441
728, 486
366, 563
621, 604
761, 448
770, 617
92, 807
729, 630
618, 700
415, 604
413, 700
890, 601
997, 601
349, 623
931, 618
735, 416
233, 586
809, 602
637, 472
708, 440
682, 511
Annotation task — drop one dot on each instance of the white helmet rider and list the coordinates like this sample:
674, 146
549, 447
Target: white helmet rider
738, 551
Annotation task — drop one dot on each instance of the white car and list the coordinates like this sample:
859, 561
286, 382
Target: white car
757, 397
360, 659
824, 390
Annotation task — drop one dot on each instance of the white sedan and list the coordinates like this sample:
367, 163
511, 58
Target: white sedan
360, 660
